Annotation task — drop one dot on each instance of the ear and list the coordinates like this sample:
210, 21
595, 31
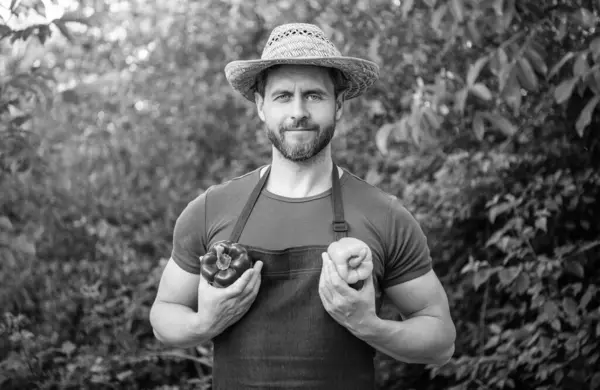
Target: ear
339, 105
259, 105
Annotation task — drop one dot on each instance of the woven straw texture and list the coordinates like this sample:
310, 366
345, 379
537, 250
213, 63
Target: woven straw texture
301, 44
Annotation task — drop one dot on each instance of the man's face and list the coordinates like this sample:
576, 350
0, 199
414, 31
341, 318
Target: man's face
299, 110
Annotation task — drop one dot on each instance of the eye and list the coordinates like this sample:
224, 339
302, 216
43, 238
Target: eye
282, 97
314, 96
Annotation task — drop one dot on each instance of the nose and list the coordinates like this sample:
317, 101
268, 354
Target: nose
299, 113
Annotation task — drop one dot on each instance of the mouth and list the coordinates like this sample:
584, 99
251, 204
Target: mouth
302, 129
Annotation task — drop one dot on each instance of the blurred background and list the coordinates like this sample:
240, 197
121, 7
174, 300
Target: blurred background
115, 114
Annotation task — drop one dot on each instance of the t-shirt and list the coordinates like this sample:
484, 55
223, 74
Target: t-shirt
398, 245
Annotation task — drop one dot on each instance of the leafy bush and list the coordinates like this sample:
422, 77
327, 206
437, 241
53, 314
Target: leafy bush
113, 118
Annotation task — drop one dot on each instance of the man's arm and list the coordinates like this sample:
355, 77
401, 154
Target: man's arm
427, 334
174, 315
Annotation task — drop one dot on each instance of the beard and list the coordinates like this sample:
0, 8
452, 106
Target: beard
300, 152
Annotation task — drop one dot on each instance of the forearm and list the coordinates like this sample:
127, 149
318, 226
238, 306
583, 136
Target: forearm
179, 326
419, 340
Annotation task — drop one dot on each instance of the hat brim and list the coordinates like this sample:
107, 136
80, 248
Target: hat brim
360, 73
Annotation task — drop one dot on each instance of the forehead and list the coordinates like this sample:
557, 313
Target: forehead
307, 75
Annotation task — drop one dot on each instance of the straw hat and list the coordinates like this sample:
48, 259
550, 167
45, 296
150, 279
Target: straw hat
301, 44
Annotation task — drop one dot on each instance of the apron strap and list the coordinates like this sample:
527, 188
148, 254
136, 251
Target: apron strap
243, 218
340, 226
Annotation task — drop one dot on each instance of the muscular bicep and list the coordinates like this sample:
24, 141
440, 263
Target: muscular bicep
423, 295
178, 286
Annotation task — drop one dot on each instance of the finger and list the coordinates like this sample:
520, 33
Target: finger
239, 285
254, 283
324, 288
334, 279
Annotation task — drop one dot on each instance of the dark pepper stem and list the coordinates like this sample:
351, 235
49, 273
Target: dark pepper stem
223, 260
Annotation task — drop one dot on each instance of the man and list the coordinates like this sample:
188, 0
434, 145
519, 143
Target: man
291, 321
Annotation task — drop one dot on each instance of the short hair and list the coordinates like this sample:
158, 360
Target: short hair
337, 77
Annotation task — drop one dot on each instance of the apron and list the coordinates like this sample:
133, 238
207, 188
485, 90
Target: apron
287, 340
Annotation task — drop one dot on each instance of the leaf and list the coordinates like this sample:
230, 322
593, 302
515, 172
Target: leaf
22, 244
501, 123
541, 224
511, 93
499, 209
481, 91
68, 347
5, 31
586, 298
574, 268
63, 30
492, 342
498, 61
595, 383
382, 137
581, 67
75, 17
595, 47
564, 90
12, 5
507, 76
407, 6
481, 276
526, 75
6, 224
124, 375
402, 131
536, 60
460, 100
551, 310
569, 306
585, 117
474, 31
584, 17
478, 126
508, 275
458, 10
498, 7
438, 15
495, 328
475, 69
556, 68
19, 120
522, 283
431, 118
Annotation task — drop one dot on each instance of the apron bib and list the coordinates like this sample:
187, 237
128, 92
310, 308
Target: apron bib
287, 340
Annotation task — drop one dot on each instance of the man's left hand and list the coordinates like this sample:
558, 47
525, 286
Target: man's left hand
352, 309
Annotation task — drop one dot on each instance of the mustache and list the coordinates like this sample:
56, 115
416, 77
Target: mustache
302, 123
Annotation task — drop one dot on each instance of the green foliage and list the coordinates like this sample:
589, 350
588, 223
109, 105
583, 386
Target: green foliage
112, 118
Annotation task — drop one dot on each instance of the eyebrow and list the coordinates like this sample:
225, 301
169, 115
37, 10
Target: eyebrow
315, 90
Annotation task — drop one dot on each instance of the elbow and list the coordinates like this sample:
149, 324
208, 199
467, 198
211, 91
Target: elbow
153, 324
445, 354
157, 336
443, 358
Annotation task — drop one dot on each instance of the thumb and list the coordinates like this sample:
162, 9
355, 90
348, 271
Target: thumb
369, 284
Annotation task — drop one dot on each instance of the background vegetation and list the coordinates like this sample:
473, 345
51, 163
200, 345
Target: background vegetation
114, 114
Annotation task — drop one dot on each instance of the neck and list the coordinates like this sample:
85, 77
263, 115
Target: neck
300, 179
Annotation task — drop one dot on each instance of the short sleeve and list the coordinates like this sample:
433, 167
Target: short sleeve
407, 252
189, 242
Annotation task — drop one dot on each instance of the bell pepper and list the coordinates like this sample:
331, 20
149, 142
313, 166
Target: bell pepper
349, 248
224, 263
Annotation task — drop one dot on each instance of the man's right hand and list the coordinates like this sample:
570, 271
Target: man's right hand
224, 306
